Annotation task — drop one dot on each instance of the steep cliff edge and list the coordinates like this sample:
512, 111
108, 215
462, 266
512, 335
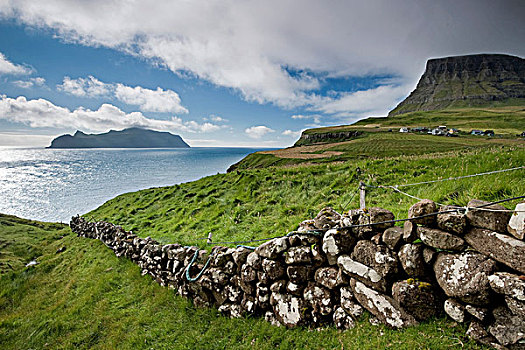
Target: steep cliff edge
467, 81
127, 138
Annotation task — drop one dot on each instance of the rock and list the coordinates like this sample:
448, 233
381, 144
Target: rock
254, 260
428, 255
411, 258
270, 318
248, 274
362, 273
272, 249
516, 225
304, 239
424, 207
377, 216
417, 298
232, 310
508, 284
327, 218
295, 289
410, 231
377, 257
288, 309
328, 277
348, 303
306, 225
262, 296
393, 237
386, 309
454, 222
503, 248
337, 242
455, 310
480, 313
465, 276
477, 332
240, 254
273, 269
490, 220
299, 274
516, 306
507, 328
319, 298
439, 239
278, 286
248, 304
298, 255
343, 320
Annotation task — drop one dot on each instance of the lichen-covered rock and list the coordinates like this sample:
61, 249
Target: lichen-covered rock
254, 260
393, 237
248, 304
377, 257
319, 298
455, 310
409, 231
362, 273
417, 298
271, 319
516, 225
288, 309
490, 220
342, 319
481, 313
411, 259
477, 332
428, 255
439, 239
327, 218
273, 269
295, 289
516, 306
508, 284
304, 239
299, 274
306, 225
349, 304
337, 242
272, 249
454, 222
240, 254
507, 328
465, 276
328, 277
386, 309
503, 248
248, 274
424, 207
377, 216
298, 255
278, 286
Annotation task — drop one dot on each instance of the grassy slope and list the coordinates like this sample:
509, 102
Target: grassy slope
87, 298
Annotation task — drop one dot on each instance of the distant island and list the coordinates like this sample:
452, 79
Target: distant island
127, 138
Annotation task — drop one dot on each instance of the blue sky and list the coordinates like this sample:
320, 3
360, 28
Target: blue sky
227, 73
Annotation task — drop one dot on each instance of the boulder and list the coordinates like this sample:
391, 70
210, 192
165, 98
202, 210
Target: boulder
386, 309
480, 313
393, 237
516, 306
328, 277
362, 273
465, 276
417, 298
306, 225
337, 242
248, 274
409, 231
342, 319
248, 304
507, 328
288, 309
319, 298
424, 207
240, 254
278, 286
272, 249
295, 289
377, 216
455, 310
439, 239
273, 269
411, 258
477, 332
254, 260
503, 248
298, 255
454, 222
508, 284
304, 239
516, 225
271, 319
377, 257
349, 304
327, 219
299, 274
428, 255
490, 220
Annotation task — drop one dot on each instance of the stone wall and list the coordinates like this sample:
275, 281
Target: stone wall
469, 265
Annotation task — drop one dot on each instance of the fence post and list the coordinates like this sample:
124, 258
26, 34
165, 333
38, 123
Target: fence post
362, 194
209, 241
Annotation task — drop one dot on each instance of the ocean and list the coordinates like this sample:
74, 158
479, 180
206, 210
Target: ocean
55, 184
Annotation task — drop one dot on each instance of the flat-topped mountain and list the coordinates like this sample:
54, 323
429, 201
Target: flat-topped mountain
467, 81
127, 138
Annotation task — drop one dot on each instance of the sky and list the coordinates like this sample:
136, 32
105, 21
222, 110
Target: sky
228, 73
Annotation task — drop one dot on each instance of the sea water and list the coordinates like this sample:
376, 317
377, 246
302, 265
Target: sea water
54, 184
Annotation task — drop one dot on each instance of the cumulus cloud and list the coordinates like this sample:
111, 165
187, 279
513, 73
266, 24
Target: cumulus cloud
217, 119
292, 133
29, 83
85, 87
258, 131
7, 67
40, 113
259, 51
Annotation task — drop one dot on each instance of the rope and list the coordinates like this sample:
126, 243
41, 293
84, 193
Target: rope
190, 279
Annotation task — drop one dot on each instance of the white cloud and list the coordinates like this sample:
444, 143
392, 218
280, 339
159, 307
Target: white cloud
256, 132
31, 82
42, 113
217, 119
292, 133
252, 48
85, 87
7, 67
315, 117
159, 100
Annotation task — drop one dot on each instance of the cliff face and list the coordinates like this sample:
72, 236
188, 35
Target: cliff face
326, 137
464, 81
127, 138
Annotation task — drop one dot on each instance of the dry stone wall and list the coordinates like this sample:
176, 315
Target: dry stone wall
470, 266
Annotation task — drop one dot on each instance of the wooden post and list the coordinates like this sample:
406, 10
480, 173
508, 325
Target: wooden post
209, 238
362, 193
